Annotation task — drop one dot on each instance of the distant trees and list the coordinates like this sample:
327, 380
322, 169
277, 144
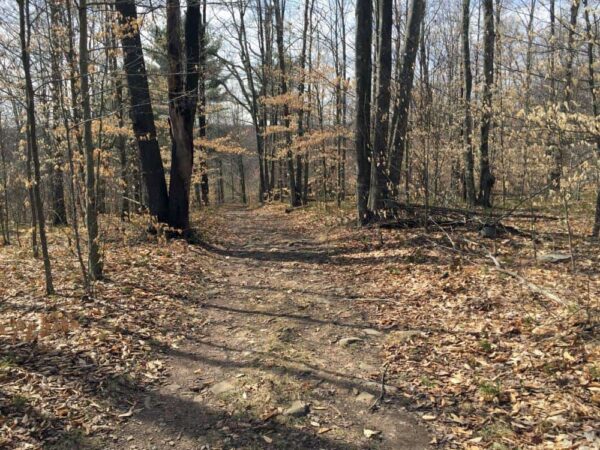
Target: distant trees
105, 110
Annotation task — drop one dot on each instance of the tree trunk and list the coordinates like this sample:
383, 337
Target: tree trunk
141, 115
308, 11
378, 191
486, 179
24, 34
294, 183
5, 215
240, 161
202, 187
402, 104
58, 191
468, 123
91, 212
595, 107
364, 23
558, 152
183, 98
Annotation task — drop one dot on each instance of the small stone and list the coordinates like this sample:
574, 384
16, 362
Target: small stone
372, 332
297, 409
173, 387
345, 342
222, 387
365, 397
554, 257
371, 433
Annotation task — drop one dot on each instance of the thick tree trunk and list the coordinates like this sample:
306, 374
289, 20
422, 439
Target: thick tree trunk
58, 191
141, 115
183, 98
24, 34
378, 191
202, 185
486, 179
364, 25
402, 103
469, 177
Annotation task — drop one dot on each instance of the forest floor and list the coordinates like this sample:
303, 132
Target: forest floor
280, 330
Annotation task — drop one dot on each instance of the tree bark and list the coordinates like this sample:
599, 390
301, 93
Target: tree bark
5, 215
58, 191
402, 103
141, 115
203, 187
595, 107
91, 211
468, 122
486, 179
24, 34
558, 152
378, 191
242, 175
294, 183
364, 23
183, 98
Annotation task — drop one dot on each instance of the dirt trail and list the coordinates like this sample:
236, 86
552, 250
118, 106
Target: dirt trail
273, 328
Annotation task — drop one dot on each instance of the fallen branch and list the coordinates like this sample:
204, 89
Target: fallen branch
531, 286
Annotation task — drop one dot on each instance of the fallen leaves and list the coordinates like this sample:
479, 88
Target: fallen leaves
482, 359
69, 368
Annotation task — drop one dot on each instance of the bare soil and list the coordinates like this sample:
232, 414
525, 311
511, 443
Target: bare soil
273, 323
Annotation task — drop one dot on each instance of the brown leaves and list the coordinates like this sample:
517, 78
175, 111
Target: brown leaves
484, 361
69, 368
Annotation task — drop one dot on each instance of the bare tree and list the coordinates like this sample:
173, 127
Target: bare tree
91, 207
141, 115
378, 191
595, 107
486, 179
183, 98
24, 35
467, 90
364, 23
402, 103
